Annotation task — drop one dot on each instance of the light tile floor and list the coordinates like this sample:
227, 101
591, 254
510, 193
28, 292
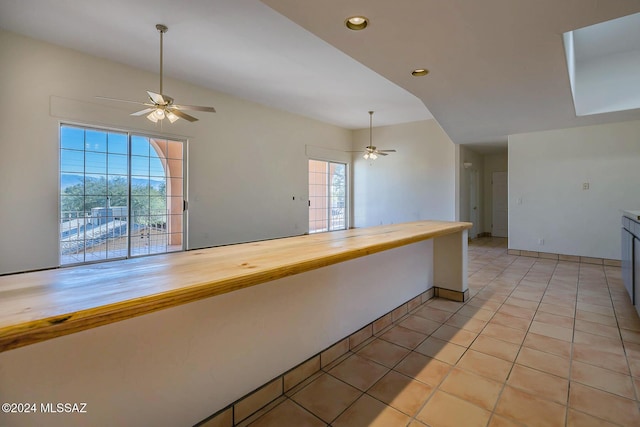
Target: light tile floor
540, 343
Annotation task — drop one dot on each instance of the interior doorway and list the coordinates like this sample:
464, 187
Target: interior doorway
499, 189
474, 212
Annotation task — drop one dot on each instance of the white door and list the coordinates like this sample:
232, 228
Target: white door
499, 227
473, 203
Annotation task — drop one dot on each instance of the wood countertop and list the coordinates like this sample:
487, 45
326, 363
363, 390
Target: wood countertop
41, 305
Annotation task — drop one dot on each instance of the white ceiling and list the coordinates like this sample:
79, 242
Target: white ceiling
240, 47
497, 66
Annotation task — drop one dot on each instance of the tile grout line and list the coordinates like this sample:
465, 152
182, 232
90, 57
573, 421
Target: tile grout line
504, 384
573, 333
624, 347
437, 388
364, 344
571, 360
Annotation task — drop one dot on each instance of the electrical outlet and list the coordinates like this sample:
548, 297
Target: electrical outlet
585, 186
541, 241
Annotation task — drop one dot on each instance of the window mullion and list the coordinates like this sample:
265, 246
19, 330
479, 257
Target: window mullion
129, 203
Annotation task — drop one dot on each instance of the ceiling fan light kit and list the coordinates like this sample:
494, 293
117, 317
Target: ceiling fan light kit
161, 106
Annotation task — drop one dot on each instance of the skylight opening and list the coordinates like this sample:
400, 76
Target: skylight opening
603, 62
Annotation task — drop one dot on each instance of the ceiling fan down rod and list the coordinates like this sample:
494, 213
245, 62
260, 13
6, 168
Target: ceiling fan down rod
163, 29
370, 128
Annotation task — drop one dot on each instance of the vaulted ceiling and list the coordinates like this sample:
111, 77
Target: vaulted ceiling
497, 67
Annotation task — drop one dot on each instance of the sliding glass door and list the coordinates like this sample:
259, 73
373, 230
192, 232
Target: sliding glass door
121, 195
327, 196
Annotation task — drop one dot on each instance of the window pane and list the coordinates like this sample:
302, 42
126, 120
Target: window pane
156, 168
159, 148
95, 162
139, 186
95, 185
117, 164
157, 205
95, 140
139, 205
117, 143
72, 138
95, 204
72, 161
118, 189
72, 251
71, 183
71, 207
140, 166
158, 187
174, 150
139, 146
174, 187
175, 168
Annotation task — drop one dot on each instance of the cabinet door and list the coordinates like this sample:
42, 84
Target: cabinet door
636, 272
627, 263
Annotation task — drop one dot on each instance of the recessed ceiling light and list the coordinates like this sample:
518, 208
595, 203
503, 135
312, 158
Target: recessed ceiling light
419, 72
357, 23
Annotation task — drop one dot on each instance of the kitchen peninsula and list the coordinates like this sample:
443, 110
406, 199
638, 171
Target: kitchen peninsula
201, 328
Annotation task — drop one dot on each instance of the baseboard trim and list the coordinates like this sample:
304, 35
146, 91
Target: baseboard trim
564, 257
452, 295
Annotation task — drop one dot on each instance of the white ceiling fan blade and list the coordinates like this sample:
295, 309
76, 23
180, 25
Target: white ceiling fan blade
194, 108
386, 151
121, 100
143, 112
182, 115
381, 154
159, 99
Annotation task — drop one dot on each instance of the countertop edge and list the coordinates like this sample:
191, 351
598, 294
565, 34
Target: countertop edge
68, 322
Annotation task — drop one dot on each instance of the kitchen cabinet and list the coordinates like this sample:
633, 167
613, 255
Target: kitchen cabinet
636, 273
627, 262
631, 255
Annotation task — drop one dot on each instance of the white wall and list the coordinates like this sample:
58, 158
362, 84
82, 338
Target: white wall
497, 162
546, 174
177, 366
418, 182
246, 162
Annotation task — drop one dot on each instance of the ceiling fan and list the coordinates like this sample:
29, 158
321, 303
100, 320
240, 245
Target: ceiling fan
371, 151
161, 106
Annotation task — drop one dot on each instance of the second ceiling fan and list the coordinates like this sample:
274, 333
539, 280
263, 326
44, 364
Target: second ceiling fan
161, 106
371, 151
